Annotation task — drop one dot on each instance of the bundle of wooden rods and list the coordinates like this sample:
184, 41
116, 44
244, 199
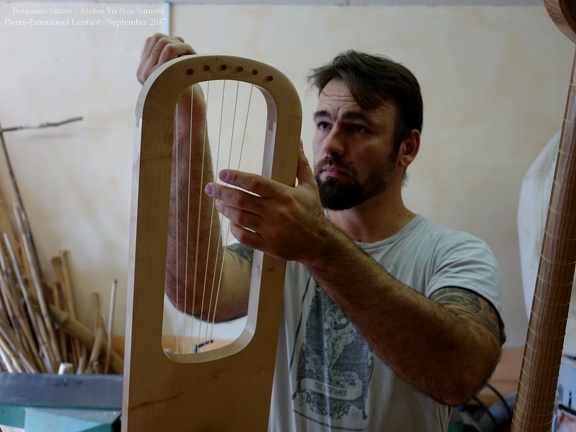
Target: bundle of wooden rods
39, 330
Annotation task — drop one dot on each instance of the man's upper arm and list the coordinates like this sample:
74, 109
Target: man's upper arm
236, 281
473, 308
241, 252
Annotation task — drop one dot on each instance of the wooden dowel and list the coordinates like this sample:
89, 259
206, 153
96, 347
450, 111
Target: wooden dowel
65, 282
110, 326
5, 308
54, 291
20, 327
22, 286
6, 360
79, 331
81, 362
18, 322
11, 311
19, 364
23, 322
96, 310
22, 337
9, 335
75, 349
92, 363
6, 227
45, 349
53, 349
60, 266
96, 346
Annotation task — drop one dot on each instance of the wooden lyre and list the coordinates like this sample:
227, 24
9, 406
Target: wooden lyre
226, 389
548, 317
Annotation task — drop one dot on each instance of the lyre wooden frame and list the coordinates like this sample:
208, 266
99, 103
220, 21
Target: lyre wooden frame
227, 389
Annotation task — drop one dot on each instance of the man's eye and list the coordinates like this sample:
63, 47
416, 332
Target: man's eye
358, 128
322, 125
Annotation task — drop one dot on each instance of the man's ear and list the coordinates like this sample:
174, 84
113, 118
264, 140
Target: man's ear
409, 149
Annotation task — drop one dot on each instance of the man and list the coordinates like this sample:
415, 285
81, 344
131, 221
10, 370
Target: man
389, 317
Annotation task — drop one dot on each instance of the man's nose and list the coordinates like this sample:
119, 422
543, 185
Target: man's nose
334, 143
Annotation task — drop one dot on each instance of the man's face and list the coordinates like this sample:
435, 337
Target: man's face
353, 148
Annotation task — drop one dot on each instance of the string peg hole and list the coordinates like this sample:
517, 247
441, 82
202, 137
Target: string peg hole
254, 71
239, 69
189, 71
223, 67
269, 78
206, 68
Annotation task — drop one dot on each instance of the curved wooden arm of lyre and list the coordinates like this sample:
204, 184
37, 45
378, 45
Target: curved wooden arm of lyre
226, 389
563, 13
547, 326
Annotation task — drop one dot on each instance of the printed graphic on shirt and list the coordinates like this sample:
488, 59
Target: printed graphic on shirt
334, 369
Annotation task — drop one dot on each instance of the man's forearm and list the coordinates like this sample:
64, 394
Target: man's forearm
194, 238
442, 354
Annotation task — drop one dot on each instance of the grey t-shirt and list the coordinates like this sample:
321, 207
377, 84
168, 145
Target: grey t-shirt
328, 378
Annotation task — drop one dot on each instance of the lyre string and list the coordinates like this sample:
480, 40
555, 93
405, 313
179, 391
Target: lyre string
191, 131
210, 229
205, 147
205, 144
242, 143
176, 167
206, 289
215, 284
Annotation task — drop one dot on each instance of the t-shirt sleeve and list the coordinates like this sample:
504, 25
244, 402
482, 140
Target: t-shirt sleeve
464, 261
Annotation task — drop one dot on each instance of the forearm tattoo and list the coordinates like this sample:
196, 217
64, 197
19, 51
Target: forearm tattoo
471, 307
244, 252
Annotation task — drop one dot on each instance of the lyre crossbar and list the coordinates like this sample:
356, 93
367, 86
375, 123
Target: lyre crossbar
226, 389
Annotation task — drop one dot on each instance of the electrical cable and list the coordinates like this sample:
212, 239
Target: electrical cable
502, 400
486, 410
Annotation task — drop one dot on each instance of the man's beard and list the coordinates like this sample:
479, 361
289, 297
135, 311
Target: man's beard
335, 195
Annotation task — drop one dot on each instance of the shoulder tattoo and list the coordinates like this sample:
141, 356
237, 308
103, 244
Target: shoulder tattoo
471, 307
243, 252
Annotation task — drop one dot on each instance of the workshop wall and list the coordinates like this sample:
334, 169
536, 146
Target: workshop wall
494, 81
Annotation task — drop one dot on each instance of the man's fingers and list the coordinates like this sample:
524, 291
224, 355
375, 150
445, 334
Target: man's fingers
235, 198
173, 50
246, 237
254, 183
150, 55
304, 173
239, 217
148, 45
158, 49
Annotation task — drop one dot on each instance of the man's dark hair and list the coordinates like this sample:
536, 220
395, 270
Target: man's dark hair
373, 79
